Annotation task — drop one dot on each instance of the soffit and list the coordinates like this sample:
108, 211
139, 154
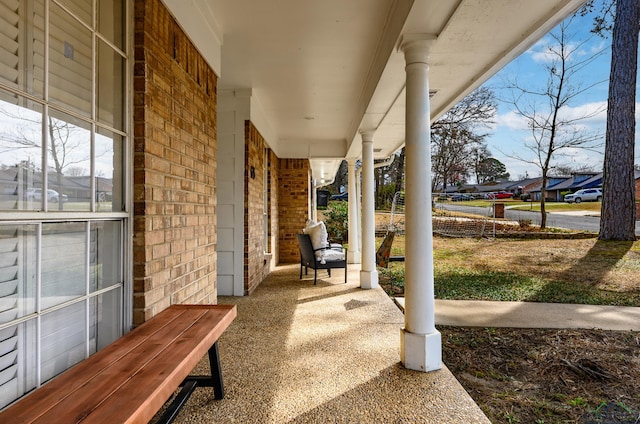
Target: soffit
323, 70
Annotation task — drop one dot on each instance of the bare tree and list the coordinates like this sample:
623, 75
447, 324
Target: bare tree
478, 155
554, 133
618, 213
341, 179
63, 142
457, 133
399, 165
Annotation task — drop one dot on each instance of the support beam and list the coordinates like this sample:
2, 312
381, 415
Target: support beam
353, 253
368, 272
420, 345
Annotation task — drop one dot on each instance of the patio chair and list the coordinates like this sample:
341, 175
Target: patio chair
322, 258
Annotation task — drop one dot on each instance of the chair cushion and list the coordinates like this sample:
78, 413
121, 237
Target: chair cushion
318, 235
330, 255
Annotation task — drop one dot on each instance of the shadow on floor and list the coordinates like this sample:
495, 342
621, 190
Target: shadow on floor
299, 353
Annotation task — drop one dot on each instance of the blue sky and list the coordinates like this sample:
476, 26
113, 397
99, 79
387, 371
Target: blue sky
508, 136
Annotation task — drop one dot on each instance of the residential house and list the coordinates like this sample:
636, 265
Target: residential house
213, 121
576, 182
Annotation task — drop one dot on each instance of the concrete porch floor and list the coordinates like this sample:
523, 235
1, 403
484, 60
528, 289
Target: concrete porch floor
330, 353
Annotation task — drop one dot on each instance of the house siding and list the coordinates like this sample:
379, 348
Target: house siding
174, 221
273, 195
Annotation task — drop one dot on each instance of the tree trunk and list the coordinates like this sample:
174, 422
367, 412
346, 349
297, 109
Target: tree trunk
543, 199
400, 171
618, 213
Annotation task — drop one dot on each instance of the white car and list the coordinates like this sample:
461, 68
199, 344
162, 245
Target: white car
35, 194
584, 195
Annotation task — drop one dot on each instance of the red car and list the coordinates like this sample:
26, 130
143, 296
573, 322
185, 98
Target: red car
500, 195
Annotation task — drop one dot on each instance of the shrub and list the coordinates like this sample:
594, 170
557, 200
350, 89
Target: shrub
337, 221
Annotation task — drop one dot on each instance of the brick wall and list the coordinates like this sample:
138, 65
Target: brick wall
174, 244
293, 186
255, 267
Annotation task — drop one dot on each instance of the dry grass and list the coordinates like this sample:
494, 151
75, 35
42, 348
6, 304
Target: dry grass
613, 266
543, 375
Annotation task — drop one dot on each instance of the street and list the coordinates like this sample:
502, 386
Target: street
554, 219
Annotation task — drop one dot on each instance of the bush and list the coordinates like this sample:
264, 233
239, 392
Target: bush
337, 221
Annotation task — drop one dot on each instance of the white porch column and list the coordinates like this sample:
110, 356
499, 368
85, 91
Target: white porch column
359, 206
368, 272
353, 254
420, 345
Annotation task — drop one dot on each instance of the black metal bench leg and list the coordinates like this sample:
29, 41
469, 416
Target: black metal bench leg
216, 371
181, 398
191, 382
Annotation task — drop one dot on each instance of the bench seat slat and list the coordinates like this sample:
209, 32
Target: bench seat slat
84, 384
154, 385
134, 376
86, 399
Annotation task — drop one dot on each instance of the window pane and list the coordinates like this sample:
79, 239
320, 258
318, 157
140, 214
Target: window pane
17, 361
21, 46
111, 22
63, 339
20, 153
110, 80
63, 275
109, 170
82, 9
106, 322
69, 162
105, 255
70, 62
17, 271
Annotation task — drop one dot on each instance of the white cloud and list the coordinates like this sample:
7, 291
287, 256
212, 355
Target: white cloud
512, 121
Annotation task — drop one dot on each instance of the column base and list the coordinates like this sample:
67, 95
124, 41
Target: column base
369, 279
353, 257
421, 352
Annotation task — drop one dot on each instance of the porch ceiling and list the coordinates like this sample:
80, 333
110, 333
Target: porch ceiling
319, 71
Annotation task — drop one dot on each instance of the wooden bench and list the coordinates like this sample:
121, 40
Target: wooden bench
131, 379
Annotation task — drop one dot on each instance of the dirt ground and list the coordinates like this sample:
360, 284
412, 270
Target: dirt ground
547, 376
540, 375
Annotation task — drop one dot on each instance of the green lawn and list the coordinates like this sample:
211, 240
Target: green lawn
558, 206
556, 271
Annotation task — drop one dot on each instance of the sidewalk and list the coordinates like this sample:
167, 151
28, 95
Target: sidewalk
472, 313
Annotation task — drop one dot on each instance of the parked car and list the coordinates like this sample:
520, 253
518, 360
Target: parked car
341, 197
35, 194
584, 195
500, 195
457, 197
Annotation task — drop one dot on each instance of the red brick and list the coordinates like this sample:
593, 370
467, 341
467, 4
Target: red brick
168, 137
